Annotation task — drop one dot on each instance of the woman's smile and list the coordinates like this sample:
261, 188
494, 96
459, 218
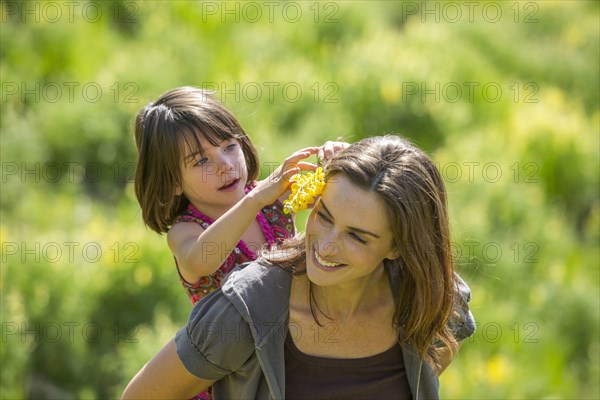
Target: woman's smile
324, 264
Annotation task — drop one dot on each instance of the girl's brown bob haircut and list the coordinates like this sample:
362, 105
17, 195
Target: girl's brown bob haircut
168, 129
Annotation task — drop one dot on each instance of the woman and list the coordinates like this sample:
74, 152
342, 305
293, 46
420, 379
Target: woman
366, 305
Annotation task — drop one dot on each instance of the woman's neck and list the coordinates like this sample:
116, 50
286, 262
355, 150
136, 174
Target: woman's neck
343, 302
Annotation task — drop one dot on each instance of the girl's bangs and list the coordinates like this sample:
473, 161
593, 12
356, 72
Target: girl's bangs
190, 141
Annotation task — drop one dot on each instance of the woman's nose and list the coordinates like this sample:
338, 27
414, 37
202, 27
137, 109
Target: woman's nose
328, 245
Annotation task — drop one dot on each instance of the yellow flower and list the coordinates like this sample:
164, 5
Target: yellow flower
304, 190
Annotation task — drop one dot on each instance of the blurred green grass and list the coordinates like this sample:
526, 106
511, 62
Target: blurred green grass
89, 294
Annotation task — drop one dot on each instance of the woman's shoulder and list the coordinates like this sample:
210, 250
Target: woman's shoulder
249, 305
462, 322
216, 338
256, 282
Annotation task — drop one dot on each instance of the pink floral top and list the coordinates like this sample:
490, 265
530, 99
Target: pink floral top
275, 225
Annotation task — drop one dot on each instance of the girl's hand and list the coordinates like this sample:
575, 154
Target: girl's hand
329, 149
270, 189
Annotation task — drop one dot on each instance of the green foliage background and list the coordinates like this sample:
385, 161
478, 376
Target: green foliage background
89, 294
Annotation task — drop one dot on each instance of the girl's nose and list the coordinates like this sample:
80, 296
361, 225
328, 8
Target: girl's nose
226, 164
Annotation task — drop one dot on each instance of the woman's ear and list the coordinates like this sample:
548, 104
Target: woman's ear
393, 254
178, 190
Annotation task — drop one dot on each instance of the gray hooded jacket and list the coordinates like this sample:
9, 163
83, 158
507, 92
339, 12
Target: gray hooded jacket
236, 336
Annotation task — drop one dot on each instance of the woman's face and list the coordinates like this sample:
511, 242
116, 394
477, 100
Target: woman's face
347, 234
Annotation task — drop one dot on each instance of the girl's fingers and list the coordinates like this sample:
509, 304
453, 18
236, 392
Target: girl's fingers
300, 154
296, 157
329, 149
306, 166
324, 152
292, 165
289, 173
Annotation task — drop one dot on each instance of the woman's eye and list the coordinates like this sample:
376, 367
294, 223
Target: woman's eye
358, 238
322, 217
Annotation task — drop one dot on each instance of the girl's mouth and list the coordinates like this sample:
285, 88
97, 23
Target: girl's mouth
230, 186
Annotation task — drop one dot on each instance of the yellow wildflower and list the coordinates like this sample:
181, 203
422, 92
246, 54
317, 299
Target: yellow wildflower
304, 190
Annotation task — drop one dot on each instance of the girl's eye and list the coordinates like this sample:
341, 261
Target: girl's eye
231, 146
201, 161
357, 238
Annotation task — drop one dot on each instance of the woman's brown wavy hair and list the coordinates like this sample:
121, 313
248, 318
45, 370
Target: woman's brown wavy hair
413, 192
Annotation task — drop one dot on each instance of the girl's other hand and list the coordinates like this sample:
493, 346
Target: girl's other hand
275, 185
329, 149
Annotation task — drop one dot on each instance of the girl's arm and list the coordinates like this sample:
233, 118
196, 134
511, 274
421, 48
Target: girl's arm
200, 252
165, 377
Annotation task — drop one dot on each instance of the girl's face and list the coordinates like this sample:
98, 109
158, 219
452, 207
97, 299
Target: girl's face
214, 180
347, 234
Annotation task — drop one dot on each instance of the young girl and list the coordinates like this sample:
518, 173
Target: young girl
195, 180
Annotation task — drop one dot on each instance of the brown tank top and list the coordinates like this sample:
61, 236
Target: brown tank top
381, 376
